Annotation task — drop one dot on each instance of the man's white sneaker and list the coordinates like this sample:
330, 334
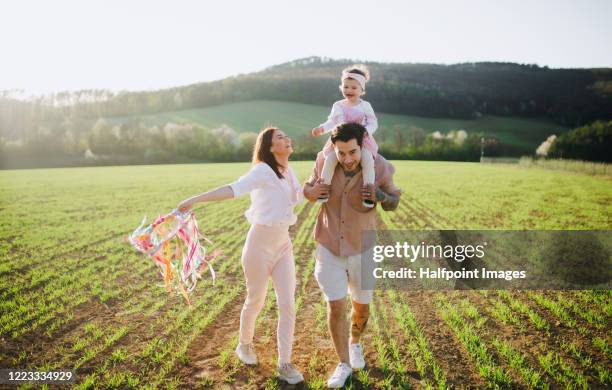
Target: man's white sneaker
246, 353
290, 374
356, 356
340, 375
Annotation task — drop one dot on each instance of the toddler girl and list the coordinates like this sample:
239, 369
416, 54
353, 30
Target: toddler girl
351, 109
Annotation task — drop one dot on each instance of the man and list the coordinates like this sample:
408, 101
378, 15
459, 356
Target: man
338, 232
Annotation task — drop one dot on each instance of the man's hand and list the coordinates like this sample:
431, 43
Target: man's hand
318, 190
317, 131
368, 192
388, 201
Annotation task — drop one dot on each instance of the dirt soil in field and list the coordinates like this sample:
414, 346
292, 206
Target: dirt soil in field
210, 361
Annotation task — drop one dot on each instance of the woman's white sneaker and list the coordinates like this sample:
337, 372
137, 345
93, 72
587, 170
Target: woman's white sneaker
356, 356
340, 375
289, 374
246, 353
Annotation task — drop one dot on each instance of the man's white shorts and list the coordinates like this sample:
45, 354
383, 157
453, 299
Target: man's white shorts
337, 275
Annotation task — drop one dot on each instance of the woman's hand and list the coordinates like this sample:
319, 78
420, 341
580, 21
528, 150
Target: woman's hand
317, 131
185, 205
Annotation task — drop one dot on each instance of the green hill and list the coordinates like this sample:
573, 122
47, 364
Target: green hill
569, 97
297, 119
519, 104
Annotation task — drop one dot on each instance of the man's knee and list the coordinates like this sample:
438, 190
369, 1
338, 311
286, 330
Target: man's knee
362, 308
359, 318
336, 309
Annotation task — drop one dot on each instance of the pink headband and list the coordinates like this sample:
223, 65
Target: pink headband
355, 76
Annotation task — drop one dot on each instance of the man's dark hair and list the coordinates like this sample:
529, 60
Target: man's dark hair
348, 131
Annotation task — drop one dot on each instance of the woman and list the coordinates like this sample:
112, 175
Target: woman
268, 251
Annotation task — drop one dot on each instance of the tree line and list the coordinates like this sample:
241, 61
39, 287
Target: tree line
132, 142
592, 142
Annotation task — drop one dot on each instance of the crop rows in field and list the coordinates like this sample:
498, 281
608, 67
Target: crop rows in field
77, 296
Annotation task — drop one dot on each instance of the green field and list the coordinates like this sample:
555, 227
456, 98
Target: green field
75, 295
297, 118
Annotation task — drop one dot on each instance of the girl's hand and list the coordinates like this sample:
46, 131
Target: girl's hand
368, 192
317, 131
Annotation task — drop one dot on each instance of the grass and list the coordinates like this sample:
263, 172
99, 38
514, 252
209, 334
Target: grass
578, 166
62, 254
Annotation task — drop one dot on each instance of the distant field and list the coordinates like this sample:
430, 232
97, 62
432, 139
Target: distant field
74, 295
297, 118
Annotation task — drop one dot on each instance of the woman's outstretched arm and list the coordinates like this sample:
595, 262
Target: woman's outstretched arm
245, 184
221, 193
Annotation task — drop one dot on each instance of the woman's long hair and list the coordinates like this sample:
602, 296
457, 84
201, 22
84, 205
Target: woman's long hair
262, 153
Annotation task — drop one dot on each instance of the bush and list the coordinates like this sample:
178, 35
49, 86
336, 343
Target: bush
591, 143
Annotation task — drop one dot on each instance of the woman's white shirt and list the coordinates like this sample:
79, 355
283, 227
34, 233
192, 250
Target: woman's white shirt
272, 200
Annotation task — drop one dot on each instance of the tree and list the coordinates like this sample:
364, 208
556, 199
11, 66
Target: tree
416, 135
247, 143
591, 143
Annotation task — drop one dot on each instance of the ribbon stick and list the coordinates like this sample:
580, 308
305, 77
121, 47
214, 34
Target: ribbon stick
173, 242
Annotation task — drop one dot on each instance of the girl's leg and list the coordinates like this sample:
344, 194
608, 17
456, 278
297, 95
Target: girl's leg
283, 277
329, 166
367, 164
256, 272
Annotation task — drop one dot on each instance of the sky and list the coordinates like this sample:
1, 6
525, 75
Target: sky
50, 46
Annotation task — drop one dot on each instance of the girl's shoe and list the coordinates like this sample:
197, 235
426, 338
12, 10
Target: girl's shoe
289, 374
246, 353
322, 200
368, 203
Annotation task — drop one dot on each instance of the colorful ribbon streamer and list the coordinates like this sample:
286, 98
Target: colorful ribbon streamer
172, 241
